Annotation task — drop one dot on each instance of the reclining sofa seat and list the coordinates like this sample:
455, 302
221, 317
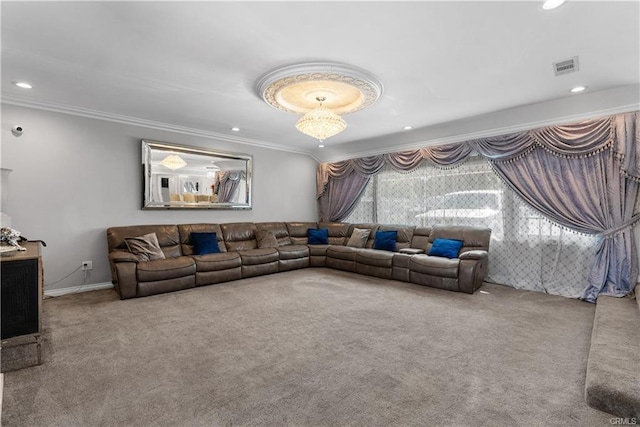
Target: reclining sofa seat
241, 255
211, 268
241, 237
378, 263
465, 273
134, 278
298, 236
291, 256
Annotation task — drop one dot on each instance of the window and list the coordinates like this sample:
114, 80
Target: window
527, 251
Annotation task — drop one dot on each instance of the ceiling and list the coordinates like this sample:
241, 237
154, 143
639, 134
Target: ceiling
193, 66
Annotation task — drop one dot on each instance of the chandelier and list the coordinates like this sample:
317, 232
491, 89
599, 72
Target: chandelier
173, 162
339, 88
321, 123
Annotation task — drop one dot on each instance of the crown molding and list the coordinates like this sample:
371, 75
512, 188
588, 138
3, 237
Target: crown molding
487, 133
20, 101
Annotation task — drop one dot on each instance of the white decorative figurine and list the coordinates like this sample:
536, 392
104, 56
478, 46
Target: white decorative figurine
10, 237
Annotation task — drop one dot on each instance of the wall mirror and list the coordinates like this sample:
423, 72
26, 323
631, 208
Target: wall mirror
180, 177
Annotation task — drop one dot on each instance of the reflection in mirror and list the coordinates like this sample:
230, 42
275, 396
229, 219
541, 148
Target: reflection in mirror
180, 177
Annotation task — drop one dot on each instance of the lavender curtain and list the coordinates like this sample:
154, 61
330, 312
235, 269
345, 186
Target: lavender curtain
573, 175
404, 161
341, 196
584, 176
228, 185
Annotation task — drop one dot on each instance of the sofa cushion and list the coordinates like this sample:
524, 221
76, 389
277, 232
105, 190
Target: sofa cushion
293, 252
404, 237
338, 232
239, 236
342, 252
168, 237
385, 240
164, 269
266, 239
217, 262
473, 237
145, 247
318, 236
448, 248
185, 231
279, 230
298, 231
372, 234
375, 258
205, 243
259, 256
359, 237
435, 266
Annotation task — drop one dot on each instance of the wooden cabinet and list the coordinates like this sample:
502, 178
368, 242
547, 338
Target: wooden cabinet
21, 316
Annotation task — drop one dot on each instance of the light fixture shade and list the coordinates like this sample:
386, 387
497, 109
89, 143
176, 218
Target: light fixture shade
321, 123
173, 162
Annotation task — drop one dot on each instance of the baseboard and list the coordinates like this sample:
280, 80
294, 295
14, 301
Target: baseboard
76, 289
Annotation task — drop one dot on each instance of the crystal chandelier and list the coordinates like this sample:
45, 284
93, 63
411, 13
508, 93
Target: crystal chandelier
321, 123
173, 162
340, 88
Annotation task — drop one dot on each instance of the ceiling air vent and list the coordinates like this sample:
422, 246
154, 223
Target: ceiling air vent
565, 67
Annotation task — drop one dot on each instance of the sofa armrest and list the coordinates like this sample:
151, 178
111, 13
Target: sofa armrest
476, 254
472, 272
126, 282
123, 269
123, 256
411, 251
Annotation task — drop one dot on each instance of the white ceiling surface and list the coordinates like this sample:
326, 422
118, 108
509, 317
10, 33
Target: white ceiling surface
193, 66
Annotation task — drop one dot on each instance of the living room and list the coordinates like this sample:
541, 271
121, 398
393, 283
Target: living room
106, 76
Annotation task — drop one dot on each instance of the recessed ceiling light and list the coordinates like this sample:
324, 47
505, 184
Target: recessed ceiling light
552, 4
578, 89
235, 129
407, 127
321, 146
23, 85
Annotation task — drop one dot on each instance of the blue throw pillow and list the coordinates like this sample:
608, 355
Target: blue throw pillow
318, 237
385, 240
448, 248
205, 243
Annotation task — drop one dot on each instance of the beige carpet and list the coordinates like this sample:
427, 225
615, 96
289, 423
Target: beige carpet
309, 347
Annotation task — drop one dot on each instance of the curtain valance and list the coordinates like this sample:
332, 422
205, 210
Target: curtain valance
620, 133
235, 176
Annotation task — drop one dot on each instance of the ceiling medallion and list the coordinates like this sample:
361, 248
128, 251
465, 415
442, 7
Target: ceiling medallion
322, 91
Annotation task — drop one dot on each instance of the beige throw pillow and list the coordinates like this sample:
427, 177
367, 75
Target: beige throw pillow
359, 237
266, 239
146, 247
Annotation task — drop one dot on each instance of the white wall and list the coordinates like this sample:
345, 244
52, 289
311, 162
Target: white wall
73, 177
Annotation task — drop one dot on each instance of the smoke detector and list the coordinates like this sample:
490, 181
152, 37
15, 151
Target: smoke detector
566, 66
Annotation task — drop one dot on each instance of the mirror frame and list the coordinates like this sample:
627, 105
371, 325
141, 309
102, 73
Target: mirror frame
149, 204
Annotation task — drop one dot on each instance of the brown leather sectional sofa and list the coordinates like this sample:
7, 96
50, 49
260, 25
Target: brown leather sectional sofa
241, 255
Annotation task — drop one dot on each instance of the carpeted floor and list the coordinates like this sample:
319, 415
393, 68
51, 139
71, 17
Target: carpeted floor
309, 347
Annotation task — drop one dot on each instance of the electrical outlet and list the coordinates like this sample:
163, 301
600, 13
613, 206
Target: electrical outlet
87, 265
